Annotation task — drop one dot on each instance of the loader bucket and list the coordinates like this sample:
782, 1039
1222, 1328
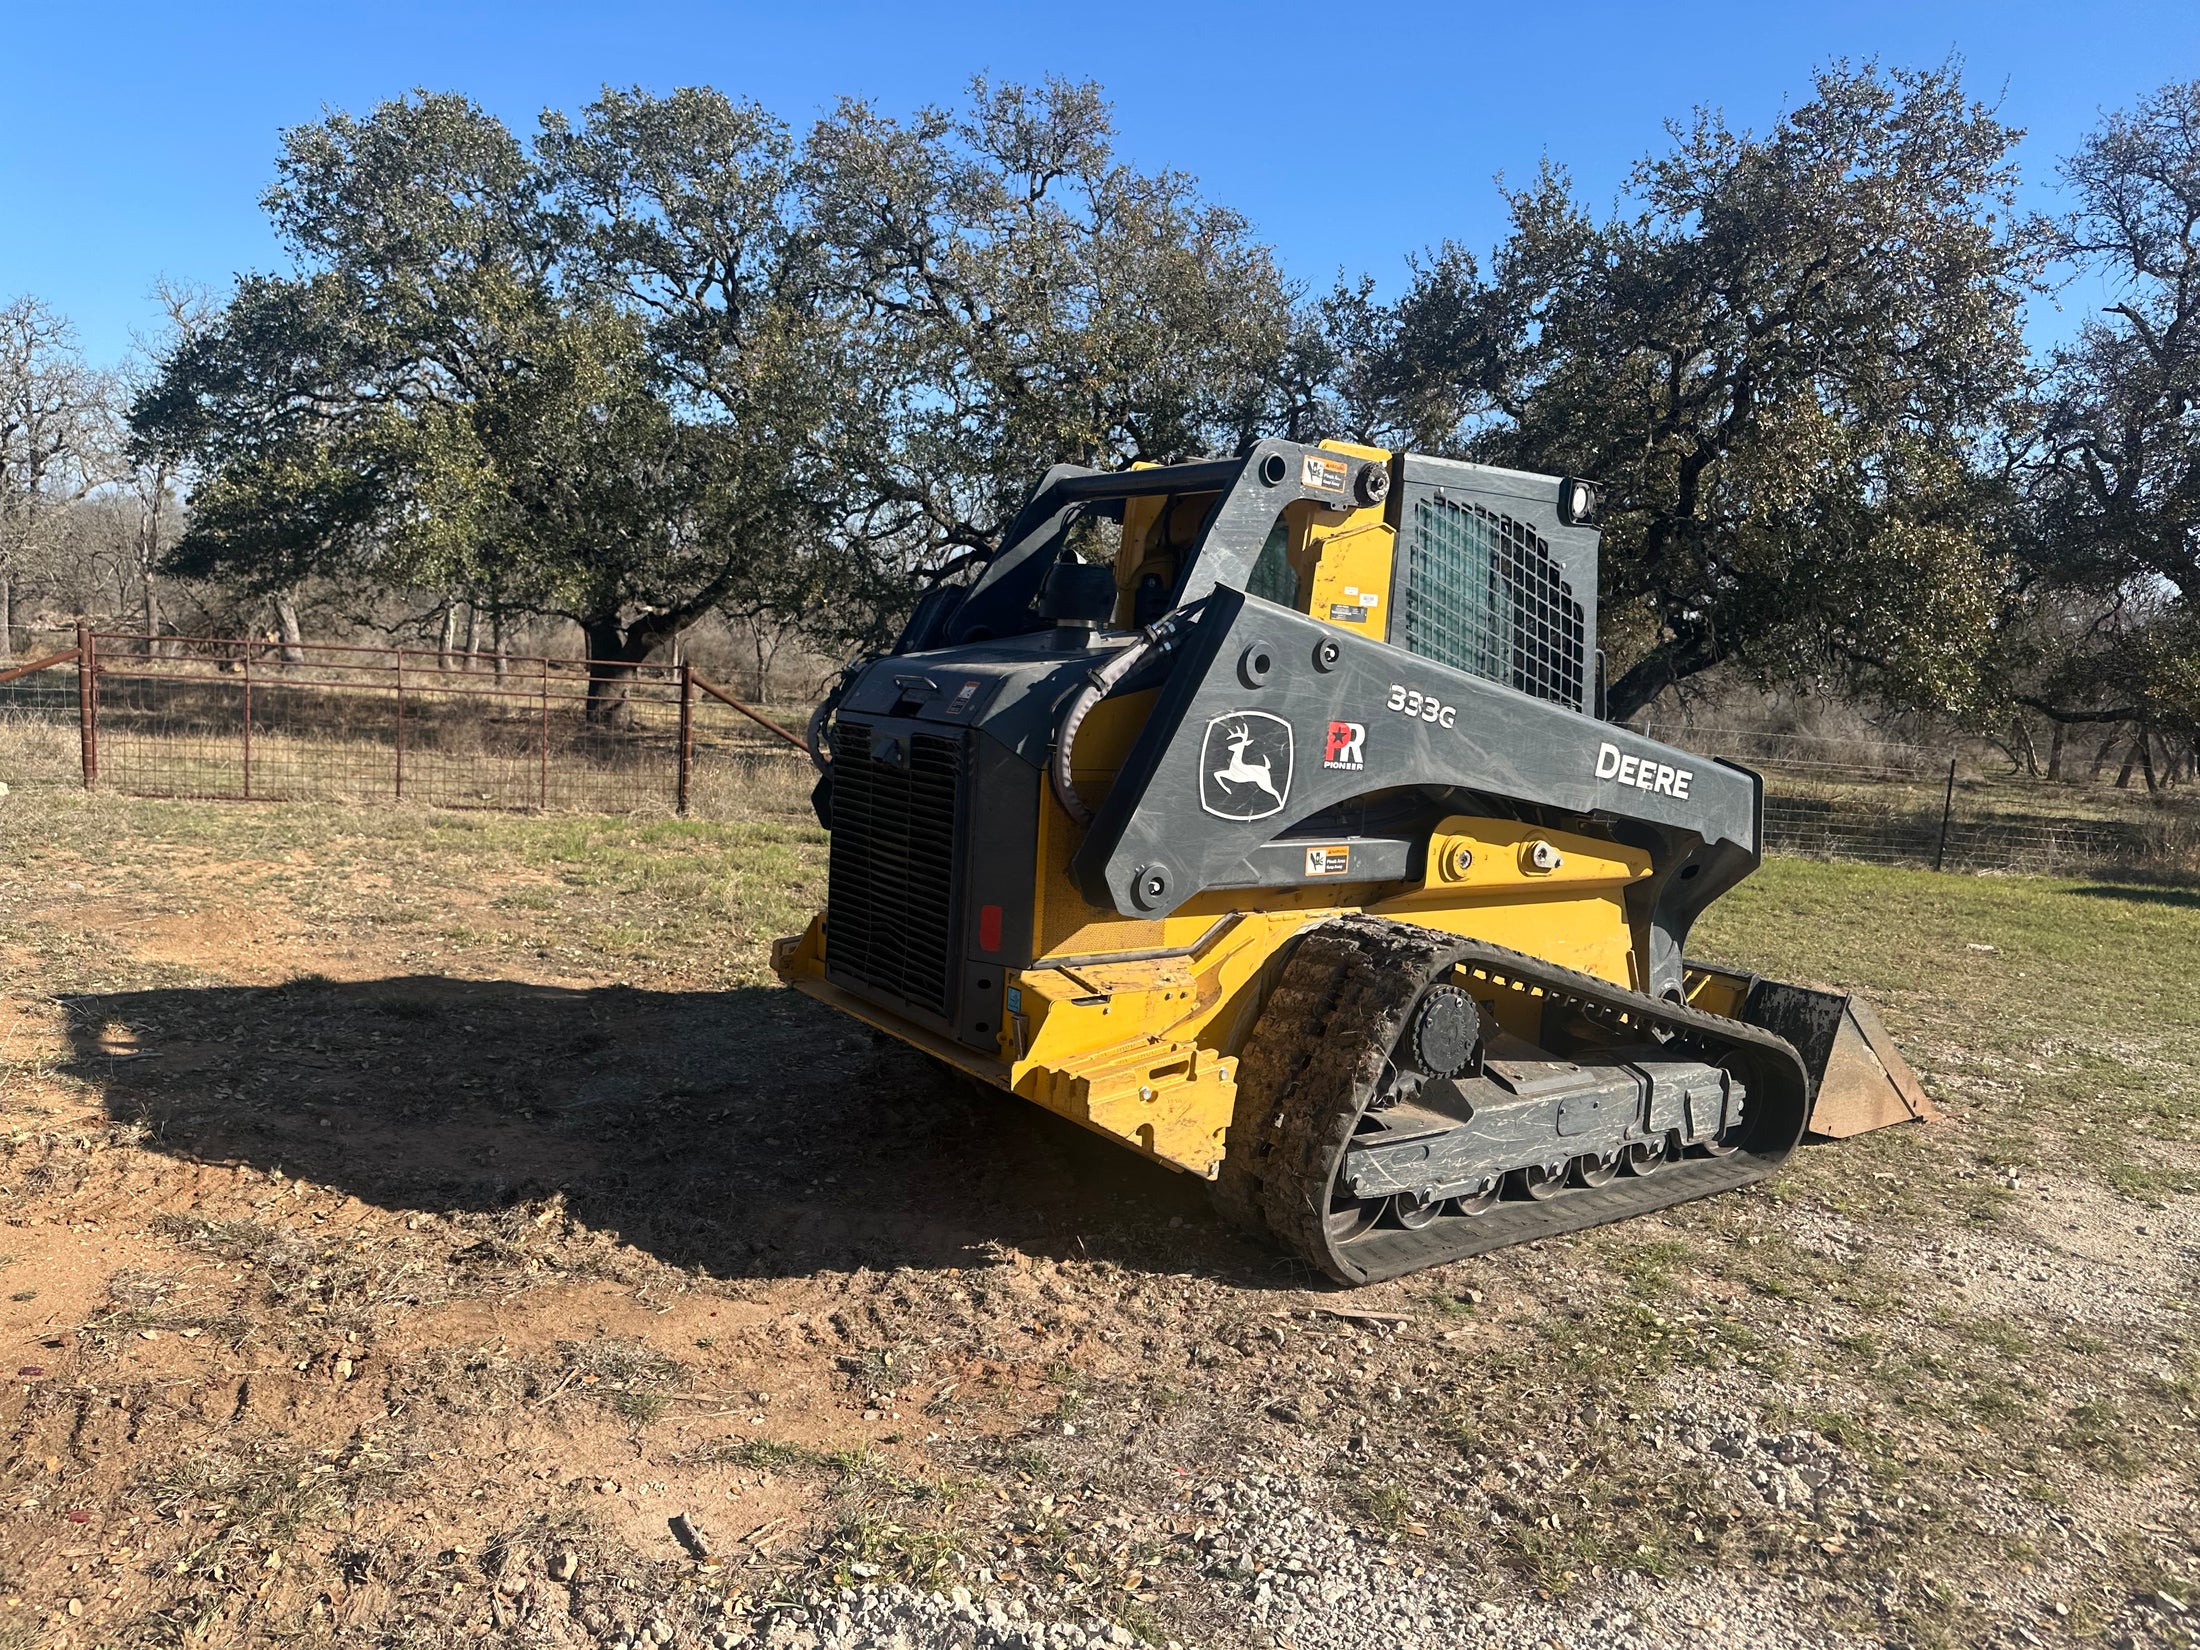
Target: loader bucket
1859, 1079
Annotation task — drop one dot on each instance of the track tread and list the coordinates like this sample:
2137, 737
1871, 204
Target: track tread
1317, 1054
1292, 1023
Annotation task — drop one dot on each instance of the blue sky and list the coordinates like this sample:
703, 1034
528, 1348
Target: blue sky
135, 140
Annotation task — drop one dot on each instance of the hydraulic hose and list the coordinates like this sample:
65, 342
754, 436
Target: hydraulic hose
1156, 639
814, 734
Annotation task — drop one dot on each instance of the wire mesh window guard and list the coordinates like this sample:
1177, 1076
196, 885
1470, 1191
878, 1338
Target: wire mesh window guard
1484, 595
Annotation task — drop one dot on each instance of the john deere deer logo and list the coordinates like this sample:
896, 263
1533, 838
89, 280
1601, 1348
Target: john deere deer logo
1245, 765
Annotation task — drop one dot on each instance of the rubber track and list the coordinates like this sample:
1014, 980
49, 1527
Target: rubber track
1317, 1054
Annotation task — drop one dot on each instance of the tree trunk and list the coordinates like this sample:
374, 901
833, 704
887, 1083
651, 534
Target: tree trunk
450, 638
286, 626
612, 656
2145, 747
7, 611
503, 650
2054, 753
150, 616
473, 637
2100, 757
2131, 761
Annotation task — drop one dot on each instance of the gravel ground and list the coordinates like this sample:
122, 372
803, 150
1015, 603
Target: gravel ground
413, 1225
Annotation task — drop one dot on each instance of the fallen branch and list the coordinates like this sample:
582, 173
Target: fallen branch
1355, 1313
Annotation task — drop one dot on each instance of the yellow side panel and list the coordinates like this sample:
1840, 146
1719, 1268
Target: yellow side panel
1351, 449
1342, 558
1059, 910
1145, 1051
1351, 575
1558, 895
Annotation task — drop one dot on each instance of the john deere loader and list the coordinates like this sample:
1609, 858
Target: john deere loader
1257, 813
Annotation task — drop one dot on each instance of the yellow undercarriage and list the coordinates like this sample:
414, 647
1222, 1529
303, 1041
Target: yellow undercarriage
1133, 1028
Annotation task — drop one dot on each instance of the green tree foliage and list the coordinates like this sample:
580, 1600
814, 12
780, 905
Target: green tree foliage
453, 393
1780, 365
2113, 601
666, 356
1018, 297
666, 359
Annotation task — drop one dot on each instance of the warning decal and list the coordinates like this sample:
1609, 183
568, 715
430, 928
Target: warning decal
1326, 473
1330, 860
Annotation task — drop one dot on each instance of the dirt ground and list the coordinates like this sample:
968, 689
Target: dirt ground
427, 1226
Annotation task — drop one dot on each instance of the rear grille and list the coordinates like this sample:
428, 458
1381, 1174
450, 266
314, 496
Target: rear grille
1484, 595
890, 904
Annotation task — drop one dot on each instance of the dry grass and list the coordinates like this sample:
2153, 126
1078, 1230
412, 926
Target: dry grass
457, 752
414, 1198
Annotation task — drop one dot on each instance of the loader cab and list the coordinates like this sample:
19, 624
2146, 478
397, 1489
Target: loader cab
1488, 570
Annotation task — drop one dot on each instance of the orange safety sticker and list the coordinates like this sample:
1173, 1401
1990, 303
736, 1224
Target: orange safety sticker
1326, 473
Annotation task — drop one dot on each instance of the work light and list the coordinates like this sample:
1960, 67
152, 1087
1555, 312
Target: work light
1577, 502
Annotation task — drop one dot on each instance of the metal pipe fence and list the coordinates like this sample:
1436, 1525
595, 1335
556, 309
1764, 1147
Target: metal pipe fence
241, 720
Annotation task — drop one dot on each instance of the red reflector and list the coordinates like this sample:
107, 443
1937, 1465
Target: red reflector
989, 928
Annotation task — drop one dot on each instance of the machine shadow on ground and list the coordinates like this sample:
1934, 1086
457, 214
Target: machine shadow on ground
2148, 893
746, 1133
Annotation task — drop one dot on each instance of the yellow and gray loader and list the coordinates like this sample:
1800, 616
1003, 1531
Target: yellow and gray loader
1257, 813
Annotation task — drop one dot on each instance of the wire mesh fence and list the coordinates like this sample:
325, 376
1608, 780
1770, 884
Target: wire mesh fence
1889, 803
246, 721
1970, 837
251, 721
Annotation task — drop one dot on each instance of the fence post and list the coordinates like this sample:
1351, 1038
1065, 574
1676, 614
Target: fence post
542, 783
248, 724
87, 703
687, 733
400, 724
1947, 805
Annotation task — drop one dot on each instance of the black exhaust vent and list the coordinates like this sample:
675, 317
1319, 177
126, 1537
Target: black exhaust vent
891, 901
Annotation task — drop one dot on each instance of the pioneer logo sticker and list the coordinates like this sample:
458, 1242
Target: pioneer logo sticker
1245, 765
1330, 860
1345, 749
1658, 778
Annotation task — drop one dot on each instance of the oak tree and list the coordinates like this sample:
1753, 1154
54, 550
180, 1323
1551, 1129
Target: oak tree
1778, 363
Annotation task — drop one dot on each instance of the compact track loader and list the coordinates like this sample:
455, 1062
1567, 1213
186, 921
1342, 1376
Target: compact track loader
1257, 813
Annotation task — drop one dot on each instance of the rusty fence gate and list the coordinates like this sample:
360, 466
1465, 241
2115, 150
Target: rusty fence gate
233, 719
